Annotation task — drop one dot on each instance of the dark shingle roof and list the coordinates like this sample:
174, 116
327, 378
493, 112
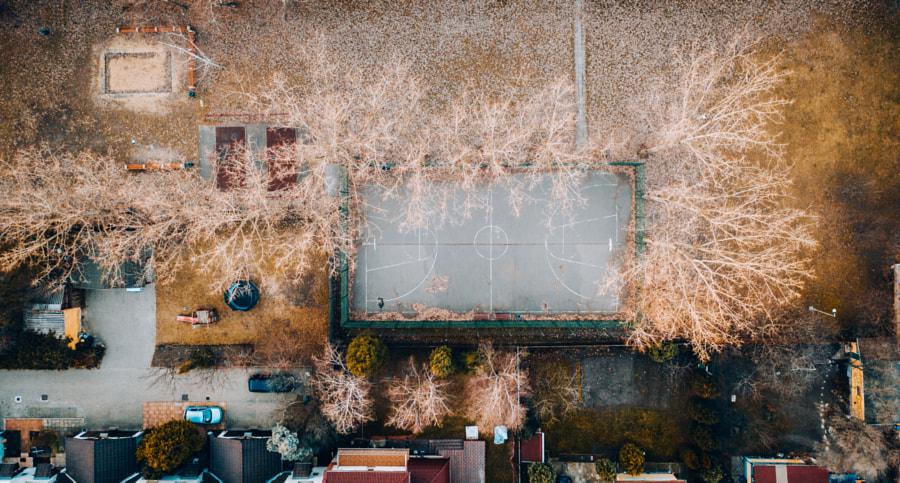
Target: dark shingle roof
43, 470
8, 470
243, 460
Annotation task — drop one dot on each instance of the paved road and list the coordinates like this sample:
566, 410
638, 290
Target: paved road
113, 394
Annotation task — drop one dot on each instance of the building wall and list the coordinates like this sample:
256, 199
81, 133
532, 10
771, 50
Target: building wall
857, 391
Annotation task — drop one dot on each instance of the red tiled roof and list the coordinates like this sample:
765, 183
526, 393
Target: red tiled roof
795, 474
429, 470
533, 450
366, 477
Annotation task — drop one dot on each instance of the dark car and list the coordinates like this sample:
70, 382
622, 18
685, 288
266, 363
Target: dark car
279, 382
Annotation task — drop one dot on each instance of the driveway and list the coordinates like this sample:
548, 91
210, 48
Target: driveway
113, 395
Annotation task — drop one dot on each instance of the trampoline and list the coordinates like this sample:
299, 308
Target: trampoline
242, 295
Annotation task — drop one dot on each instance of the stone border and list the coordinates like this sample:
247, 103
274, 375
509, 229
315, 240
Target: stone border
109, 55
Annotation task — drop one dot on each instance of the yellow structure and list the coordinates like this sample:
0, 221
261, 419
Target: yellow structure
857, 392
73, 324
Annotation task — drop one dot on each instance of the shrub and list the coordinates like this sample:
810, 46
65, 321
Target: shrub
689, 457
702, 411
165, 447
46, 438
541, 473
150, 473
42, 351
441, 361
475, 359
606, 470
366, 355
632, 459
712, 475
663, 352
286, 443
202, 358
704, 385
703, 438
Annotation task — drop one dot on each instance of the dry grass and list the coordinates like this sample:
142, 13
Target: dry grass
296, 311
842, 136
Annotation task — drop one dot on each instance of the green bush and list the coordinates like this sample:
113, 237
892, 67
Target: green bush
712, 475
441, 361
46, 438
704, 385
42, 351
689, 457
475, 359
703, 438
632, 459
366, 355
702, 411
541, 473
202, 358
606, 469
150, 473
165, 447
663, 352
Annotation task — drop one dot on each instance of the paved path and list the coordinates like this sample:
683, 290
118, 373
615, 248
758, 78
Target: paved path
114, 394
580, 94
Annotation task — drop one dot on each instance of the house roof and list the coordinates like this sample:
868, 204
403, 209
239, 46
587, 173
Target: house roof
95, 460
371, 458
789, 474
8, 470
242, 460
466, 457
532, 451
881, 367
89, 275
46, 321
365, 476
429, 470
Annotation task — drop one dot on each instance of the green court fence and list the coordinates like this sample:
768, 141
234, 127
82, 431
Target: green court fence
340, 297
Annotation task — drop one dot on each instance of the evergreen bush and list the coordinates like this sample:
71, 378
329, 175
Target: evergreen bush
704, 385
606, 469
702, 411
632, 459
663, 352
441, 361
366, 355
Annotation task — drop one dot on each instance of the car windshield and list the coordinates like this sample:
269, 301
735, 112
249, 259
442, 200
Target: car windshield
206, 414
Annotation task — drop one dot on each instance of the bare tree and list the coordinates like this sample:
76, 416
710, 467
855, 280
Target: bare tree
385, 131
852, 446
881, 383
724, 250
495, 392
184, 43
555, 390
344, 398
62, 209
418, 400
785, 368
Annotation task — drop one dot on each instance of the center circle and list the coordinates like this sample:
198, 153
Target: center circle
491, 242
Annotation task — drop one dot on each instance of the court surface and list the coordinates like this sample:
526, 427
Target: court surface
494, 261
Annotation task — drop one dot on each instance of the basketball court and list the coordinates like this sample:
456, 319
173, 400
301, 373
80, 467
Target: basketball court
540, 263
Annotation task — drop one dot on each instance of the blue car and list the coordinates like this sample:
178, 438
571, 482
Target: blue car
203, 415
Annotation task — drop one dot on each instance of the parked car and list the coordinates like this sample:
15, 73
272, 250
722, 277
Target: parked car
203, 414
278, 382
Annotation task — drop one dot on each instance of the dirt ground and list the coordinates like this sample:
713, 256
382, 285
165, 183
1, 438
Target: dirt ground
842, 134
298, 312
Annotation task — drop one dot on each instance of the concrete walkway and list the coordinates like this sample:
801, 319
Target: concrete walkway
114, 394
